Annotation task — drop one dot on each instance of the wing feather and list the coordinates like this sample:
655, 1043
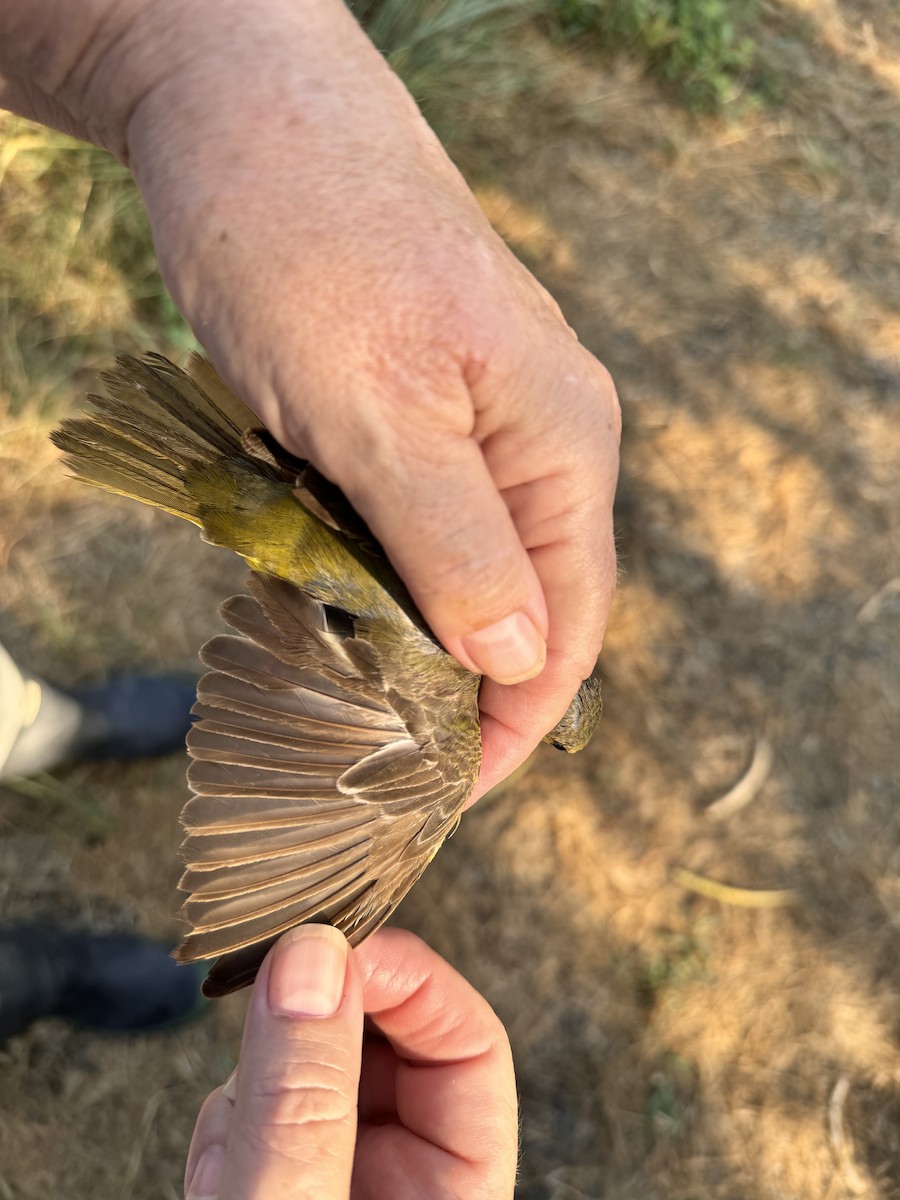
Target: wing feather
318, 793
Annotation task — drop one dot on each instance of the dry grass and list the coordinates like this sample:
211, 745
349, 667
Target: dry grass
741, 279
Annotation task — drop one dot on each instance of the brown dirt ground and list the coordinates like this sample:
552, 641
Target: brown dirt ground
742, 281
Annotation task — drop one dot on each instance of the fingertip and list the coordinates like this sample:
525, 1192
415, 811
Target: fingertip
508, 651
206, 1178
294, 1120
307, 973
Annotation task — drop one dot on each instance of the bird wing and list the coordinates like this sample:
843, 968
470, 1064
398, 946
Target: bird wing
318, 794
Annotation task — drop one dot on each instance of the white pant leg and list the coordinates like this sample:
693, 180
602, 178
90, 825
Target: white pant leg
14, 704
38, 724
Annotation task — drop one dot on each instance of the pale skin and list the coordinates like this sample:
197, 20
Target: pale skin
340, 274
436, 1114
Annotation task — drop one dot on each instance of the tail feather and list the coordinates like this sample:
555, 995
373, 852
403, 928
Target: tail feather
221, 399
125, 469
153, 429
152, 383
146, 431
121, 444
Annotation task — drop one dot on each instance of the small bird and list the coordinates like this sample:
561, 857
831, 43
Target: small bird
335, 741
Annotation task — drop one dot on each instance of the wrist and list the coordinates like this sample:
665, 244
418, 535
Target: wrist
55, 59
226, 73
98, 62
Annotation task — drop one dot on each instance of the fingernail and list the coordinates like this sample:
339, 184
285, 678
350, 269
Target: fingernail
508, 652
207, 1174
306, 978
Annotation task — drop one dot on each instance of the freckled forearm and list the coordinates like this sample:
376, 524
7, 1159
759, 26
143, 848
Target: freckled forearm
84, 66
42, 40
46, 47
58, 63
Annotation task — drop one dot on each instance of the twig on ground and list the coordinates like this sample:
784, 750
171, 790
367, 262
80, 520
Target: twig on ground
740, 897
872, 606
747, 787
842, 1152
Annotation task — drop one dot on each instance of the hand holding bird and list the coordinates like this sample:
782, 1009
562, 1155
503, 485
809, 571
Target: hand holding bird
337, 741
340, 274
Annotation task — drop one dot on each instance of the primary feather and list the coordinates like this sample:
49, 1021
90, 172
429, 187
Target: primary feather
318, 793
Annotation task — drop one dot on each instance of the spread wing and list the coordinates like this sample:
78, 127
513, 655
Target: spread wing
319, 793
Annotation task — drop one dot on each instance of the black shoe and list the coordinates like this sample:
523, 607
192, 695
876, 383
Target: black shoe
135, 716
118, 982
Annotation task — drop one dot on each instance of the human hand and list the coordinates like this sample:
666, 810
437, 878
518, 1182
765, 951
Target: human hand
345, 283
437, 1100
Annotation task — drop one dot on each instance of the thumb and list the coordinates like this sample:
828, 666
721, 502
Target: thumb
293, 1131
449, 534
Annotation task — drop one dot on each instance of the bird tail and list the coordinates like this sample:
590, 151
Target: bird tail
156, 426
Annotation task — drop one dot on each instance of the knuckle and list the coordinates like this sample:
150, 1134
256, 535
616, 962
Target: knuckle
571, 667
292, 428
409, 435
492, 1170
295, 1097
498, 1174
601, 394
606, 387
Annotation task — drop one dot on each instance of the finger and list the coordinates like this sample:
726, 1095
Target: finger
206, 1156
454, 1082
564, 518
425, 490
515, 719
293, 1130
377, 1084
206, 1178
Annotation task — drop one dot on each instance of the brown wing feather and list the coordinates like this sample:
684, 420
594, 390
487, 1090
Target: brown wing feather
318, 794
